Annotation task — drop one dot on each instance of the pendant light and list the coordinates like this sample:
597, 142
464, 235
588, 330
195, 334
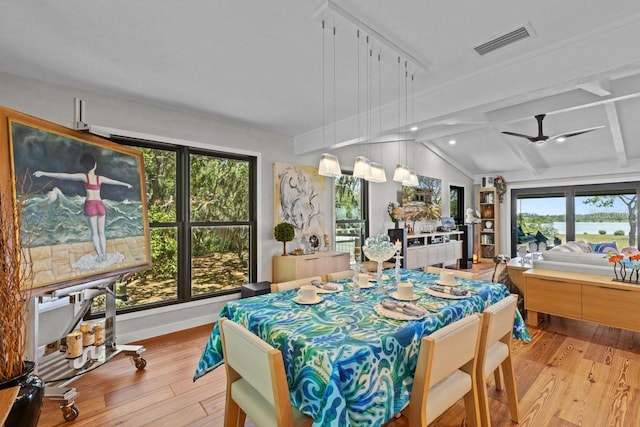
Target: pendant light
401, 172
411, 179
329, 165
362, 165
377, 170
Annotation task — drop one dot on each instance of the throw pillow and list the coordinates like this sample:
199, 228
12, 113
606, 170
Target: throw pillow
604, 247
584, 245
541, 237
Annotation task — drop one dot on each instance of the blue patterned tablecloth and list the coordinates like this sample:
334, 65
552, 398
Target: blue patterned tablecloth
346, 365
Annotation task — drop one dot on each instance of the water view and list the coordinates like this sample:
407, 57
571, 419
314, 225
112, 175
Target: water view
593, 227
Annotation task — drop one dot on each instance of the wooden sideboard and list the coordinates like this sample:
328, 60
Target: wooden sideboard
292, 267
581, 296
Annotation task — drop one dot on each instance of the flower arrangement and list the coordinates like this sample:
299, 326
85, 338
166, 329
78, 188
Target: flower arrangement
394, 211
622, 261
501, 186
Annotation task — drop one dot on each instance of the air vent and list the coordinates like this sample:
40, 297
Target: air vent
503, 40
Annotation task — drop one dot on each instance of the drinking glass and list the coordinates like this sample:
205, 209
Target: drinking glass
355, 286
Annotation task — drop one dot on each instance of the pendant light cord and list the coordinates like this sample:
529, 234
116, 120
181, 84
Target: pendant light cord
335, 136
323, 89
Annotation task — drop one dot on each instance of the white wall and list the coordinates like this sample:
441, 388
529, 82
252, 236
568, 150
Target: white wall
55, 103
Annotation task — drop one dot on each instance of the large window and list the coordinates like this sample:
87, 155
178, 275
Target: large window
202, 219
596, 213
351, 214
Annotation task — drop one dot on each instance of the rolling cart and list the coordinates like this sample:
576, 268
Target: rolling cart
55, 369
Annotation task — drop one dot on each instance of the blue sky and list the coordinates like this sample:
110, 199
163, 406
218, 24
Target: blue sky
557, 206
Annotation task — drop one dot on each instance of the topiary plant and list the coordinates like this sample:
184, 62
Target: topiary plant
284, 232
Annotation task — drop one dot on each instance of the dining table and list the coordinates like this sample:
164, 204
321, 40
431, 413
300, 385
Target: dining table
352, 363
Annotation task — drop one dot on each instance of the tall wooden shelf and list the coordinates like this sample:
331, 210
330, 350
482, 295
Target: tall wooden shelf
488, 231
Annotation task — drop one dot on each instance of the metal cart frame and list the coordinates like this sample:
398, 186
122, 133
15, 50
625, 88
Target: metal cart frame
53, 367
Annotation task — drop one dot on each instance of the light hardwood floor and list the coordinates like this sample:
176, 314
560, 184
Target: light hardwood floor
571, 374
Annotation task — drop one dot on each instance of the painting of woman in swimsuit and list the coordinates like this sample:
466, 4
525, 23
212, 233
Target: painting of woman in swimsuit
83, 202
94, 208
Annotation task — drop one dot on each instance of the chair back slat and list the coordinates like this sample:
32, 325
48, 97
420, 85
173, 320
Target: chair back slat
454, 346
345, 274
249, 356
293, 284
502, 317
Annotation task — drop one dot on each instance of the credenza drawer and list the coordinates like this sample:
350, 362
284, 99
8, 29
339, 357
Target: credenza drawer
554, 297
611, 306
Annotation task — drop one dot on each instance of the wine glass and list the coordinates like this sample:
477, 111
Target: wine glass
379, 249
522, 252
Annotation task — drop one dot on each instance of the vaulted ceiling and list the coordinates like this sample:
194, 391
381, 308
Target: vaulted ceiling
261, 63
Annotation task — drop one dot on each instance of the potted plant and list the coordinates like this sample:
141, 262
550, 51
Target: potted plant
284, 232
15, 292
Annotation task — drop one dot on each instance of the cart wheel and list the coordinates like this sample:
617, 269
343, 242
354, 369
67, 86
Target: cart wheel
70, 413
140, 363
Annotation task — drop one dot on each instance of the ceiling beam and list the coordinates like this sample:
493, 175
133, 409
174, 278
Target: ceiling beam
616, 133
600, 88
435, 150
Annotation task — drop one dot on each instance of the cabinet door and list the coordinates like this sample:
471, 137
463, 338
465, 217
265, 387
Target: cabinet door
337, 262
432, 255
310, 266
412, 258
611, 306
554, 297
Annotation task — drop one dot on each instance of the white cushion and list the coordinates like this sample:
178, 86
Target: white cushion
495, 355
447, 392
576, 258
257, 408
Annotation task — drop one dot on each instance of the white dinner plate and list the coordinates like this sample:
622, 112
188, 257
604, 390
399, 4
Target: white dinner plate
445, 295
367, 286
301, 301
438, 282
338, 286
395, 295
393, 314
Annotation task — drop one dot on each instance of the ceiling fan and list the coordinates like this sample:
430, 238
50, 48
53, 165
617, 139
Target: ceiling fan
541, 138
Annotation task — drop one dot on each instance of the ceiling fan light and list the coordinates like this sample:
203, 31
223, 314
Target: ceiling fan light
362, 168
377, 173
329, 166
400, 173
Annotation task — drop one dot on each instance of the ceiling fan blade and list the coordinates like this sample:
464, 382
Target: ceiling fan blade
521, 135
576, 132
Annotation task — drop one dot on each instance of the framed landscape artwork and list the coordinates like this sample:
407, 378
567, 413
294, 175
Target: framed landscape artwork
81, 201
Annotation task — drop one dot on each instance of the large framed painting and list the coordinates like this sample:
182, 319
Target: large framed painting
81, 201
423, 202
299, 198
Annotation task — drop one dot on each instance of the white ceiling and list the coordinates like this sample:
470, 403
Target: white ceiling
260, 63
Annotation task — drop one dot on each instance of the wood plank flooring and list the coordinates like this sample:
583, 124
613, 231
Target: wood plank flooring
571, 374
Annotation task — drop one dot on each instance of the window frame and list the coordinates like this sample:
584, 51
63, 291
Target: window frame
364, 202
184, 225
569, 192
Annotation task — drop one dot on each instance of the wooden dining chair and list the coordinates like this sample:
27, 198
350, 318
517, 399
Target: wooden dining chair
345, 274
495, 356
293, 284
445, 373
457, 273
256, 381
